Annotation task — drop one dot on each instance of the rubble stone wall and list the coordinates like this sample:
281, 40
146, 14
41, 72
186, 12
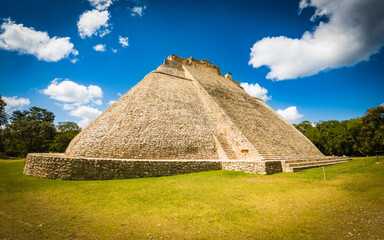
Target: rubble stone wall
59, 166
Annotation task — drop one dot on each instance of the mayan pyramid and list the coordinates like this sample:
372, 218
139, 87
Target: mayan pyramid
186, 110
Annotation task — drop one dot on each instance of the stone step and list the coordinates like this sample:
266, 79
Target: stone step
290, 158
315, 163
272, 155
297, 169
293, 161
300, 168
226, 147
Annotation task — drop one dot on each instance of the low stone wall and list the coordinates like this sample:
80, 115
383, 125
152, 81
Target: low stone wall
263, 167
59, 166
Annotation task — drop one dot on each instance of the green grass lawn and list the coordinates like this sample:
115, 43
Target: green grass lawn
206, 205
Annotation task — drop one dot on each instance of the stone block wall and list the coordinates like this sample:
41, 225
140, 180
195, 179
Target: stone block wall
257, 167
59, 166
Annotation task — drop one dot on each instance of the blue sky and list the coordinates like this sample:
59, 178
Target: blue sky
335, 72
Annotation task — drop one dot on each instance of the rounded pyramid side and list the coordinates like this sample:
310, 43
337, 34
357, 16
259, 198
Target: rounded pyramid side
160, 118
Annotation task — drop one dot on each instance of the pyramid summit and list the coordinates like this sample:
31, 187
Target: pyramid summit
183, 117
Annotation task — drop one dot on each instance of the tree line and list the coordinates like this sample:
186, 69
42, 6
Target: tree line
33, 130
361, 136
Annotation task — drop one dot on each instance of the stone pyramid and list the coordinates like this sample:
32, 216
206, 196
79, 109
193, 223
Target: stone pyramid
186, 115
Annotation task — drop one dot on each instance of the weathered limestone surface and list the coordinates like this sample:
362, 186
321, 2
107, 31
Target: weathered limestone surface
187, 110
59, 166
257, 167
160, 118
183, 117
269, 133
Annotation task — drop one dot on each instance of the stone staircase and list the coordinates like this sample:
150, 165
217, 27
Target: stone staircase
294, 165
226, 147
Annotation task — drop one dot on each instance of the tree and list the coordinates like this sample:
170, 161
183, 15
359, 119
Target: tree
354, 129
372, 131
303, 126
29, 131
3, 121
310, 131
67, 126
3, 114
359, 136
66, 132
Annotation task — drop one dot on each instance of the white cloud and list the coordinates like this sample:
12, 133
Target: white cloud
75, 60
99, 48
100, 4
119, 94
111, 102
354, 32
86, 113
114, 50
15, 103
68, 106
93, 22
123, 41
290, 114
73, 93
138, 11
24, 40
256, 91
382, 105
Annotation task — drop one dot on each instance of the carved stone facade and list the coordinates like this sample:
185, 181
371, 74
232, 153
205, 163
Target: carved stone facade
184, 116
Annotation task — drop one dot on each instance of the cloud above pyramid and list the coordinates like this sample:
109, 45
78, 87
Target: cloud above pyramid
347, 33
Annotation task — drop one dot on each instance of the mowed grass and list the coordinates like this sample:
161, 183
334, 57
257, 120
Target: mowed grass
206, 205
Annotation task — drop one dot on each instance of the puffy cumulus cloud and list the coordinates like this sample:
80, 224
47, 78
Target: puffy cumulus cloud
73, 94
68, 106
25, 40
382, 105
100, 4
86, 113
256, 91
75, 60
354, 31
290, 114
138, 10
111, 102
93, 22
15, 103
123, 41
99, 47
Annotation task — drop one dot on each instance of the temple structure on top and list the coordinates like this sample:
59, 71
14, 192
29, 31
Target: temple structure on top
183, 117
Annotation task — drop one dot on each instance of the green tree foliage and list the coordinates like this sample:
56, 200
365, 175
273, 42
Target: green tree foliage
3, 114
372, 130
3, 121
66, 132
359, 136
29, 131
67, 126
309, 130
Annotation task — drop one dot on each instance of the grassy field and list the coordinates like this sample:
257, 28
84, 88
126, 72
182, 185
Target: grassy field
207, 205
